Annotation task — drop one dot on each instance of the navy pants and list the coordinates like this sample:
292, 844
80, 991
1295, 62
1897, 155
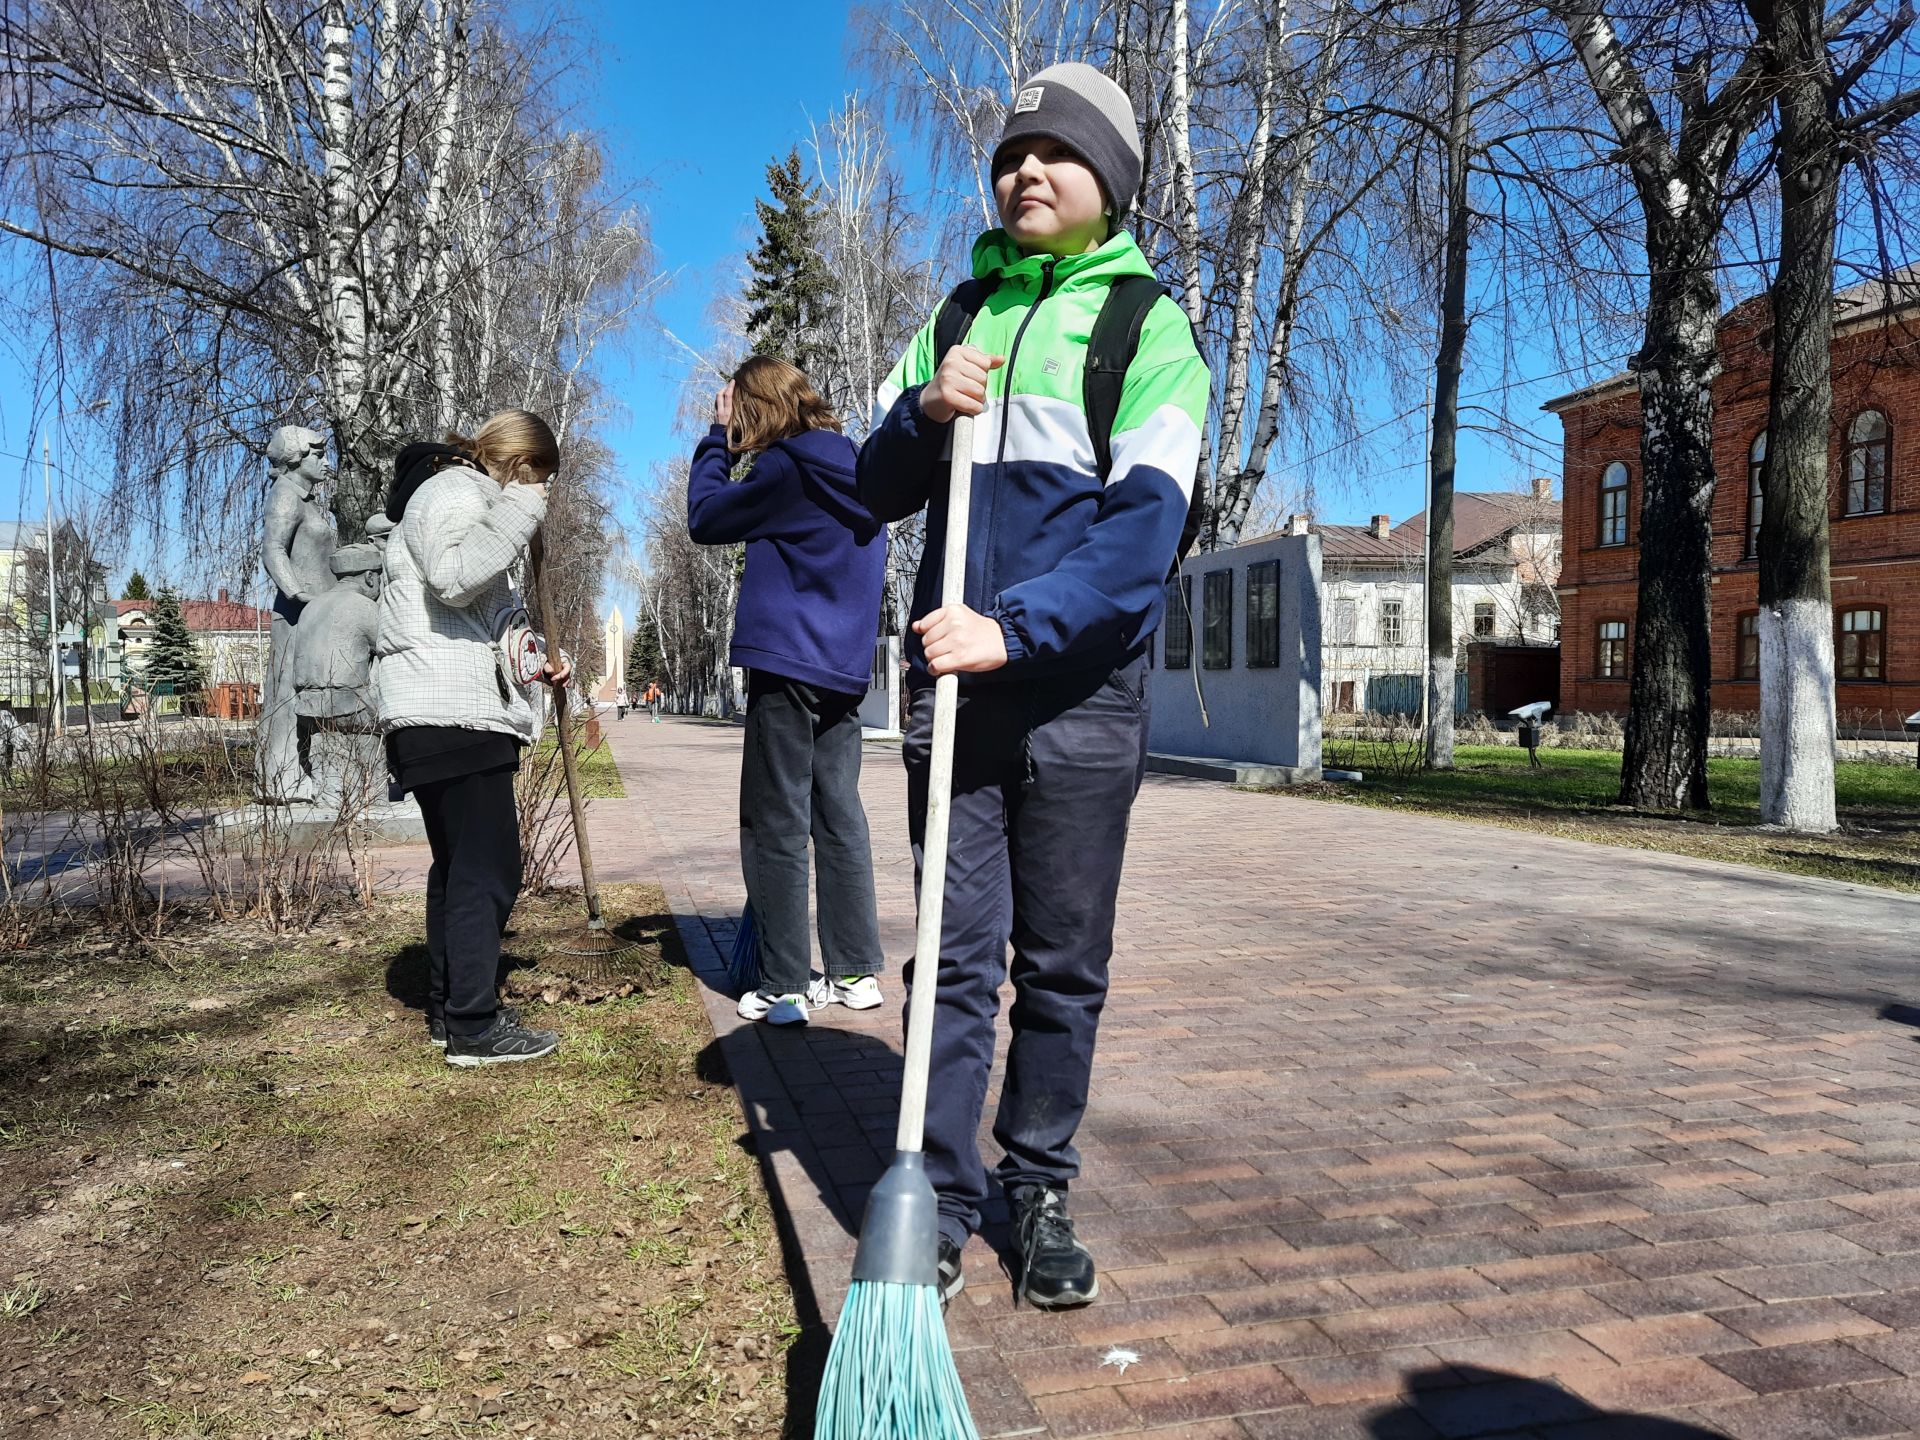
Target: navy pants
1045, 776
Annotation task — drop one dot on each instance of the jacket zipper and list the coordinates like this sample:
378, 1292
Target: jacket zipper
1006, 420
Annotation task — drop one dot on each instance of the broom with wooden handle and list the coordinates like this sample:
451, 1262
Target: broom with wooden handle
890, 1374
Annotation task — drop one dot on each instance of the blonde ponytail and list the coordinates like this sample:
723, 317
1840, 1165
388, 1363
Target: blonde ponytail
511, 445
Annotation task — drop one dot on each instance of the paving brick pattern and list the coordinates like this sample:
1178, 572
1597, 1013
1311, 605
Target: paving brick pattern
1400, 1127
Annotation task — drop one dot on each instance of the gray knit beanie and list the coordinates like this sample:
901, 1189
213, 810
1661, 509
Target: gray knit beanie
1078, 106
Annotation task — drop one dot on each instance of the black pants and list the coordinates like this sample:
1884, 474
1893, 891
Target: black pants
474, 833
800, 780
1044, 781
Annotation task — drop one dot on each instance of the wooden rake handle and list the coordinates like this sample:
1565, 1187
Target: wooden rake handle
563, 721
933, 863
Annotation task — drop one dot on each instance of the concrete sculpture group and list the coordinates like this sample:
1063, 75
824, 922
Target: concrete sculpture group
319, 743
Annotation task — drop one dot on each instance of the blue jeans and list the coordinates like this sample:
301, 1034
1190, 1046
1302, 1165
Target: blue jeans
1045, 775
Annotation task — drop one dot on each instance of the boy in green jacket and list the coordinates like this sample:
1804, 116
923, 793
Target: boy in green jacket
1065, 583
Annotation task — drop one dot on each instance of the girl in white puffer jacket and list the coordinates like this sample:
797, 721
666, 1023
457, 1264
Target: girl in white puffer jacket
453, 712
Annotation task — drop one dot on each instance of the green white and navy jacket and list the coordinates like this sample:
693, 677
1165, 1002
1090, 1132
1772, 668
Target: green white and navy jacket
1073, 570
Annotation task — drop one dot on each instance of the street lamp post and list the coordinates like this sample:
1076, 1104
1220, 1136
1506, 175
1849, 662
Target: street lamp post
56, 697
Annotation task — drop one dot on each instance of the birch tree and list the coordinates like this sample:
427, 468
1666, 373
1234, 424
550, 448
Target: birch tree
884, 290
273, 214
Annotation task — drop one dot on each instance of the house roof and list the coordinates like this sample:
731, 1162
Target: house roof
1479, 516
1881, 295
20, 534
204, 616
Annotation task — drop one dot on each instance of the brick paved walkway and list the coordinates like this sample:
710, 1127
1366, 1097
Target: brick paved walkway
1401, 1127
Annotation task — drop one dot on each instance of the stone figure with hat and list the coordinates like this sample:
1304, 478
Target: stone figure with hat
296, 550
339, 743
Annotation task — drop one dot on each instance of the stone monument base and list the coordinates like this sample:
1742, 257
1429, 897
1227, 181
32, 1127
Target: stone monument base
382, 822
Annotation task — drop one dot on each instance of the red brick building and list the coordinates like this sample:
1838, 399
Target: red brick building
1873, 509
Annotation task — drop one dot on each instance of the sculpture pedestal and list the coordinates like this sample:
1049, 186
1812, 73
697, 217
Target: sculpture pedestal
307, 825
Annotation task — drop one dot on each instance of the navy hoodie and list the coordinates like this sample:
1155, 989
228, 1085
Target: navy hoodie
816, 558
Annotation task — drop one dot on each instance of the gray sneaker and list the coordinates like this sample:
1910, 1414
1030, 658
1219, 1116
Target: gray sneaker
1056, 1270
951, 1279
437, 1025
502, 1043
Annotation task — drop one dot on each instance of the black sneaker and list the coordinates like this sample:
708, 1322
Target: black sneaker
437, 1025
1056, 1270
951, 1281
503, 1042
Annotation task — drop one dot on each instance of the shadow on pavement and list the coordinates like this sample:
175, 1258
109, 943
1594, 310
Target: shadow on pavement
806, 1358
1465, 1401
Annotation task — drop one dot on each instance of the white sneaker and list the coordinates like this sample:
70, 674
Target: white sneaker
785, 1009
856, 992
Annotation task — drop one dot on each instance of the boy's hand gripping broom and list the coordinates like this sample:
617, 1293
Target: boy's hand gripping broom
890, 1373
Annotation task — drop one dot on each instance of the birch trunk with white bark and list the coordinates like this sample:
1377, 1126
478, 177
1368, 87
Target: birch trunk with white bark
1680, 183
346, 379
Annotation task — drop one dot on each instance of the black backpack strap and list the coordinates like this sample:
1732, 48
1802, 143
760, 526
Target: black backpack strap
1115, 339
956, 314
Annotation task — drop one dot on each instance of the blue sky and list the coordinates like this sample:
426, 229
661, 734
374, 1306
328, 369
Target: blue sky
691, 122
694, 100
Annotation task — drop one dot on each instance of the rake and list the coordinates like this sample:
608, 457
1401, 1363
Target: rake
596, 950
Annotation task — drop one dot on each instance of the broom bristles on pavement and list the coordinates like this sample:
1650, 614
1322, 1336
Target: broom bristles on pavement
743, 967
890, 1373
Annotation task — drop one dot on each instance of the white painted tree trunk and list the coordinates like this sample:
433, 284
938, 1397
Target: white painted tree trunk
1797, 716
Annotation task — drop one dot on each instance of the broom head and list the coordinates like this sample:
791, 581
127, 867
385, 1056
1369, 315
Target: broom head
743, 966
890, 1374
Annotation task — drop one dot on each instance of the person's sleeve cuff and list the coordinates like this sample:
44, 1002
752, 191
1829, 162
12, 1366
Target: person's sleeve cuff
1015, 642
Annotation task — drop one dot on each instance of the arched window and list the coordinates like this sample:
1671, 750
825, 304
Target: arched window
1860, 643
1756, 460
1613, 504
1869, 459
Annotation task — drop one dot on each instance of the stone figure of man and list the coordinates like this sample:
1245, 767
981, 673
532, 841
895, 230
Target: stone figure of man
296, 550
332, 681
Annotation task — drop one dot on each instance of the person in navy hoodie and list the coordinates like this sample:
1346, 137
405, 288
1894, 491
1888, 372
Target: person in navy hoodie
808, 610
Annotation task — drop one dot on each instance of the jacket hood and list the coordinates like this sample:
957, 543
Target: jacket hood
414, 466
996, 256
825, 460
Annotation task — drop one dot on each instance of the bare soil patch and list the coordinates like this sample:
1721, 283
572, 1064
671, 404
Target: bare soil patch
240, 1196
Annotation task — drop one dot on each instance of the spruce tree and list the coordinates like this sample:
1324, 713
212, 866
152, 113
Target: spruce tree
645, 662
136, 588
173, 656
791, 292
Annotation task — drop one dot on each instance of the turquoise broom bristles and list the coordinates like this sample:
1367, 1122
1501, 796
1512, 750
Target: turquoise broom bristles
890, 1374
